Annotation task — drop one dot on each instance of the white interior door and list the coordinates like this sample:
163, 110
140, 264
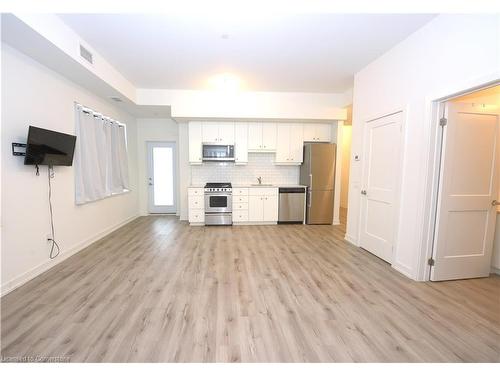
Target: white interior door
465, 220
162, 177
380, 192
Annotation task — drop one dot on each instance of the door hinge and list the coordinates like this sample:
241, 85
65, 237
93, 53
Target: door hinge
443, 121
430, 262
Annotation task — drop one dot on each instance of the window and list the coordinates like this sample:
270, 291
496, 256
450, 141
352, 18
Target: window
101, 162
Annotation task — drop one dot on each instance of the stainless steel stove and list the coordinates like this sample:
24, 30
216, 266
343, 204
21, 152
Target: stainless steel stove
218, 203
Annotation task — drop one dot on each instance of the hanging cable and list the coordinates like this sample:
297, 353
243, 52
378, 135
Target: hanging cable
54, 250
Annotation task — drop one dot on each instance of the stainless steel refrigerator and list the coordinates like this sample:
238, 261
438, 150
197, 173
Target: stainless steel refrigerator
318, 174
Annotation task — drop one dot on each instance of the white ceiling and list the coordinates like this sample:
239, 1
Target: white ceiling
308, 52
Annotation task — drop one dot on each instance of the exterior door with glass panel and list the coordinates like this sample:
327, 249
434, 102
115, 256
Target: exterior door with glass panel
162, 177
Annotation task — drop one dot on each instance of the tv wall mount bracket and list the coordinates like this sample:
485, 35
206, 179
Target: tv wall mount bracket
18, 149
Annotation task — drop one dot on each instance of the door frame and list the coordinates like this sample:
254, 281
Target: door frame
364, 171
433, 136
149, 164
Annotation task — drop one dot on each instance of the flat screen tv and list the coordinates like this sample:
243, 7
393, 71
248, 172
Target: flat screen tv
47, 147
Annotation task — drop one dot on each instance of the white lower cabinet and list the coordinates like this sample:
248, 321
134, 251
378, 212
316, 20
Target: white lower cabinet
240, 205
255, 205
240, 216
250, 205
196, 206
263, 205
196, 216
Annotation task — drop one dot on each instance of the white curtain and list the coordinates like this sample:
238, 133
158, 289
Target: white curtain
101, 162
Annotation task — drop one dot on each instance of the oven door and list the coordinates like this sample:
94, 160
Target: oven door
222, 202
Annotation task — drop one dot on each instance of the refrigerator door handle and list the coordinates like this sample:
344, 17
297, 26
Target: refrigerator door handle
310, 180
309, 198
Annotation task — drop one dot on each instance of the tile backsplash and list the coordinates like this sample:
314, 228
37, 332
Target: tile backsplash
259, 165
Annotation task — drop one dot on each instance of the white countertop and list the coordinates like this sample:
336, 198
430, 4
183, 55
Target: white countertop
257, 186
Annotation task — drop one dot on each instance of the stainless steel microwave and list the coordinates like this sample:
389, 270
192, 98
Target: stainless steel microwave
217, 152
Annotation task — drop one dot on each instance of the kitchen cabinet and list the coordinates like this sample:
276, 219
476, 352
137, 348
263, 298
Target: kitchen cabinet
317, 133
241, 143
240, 205
196, 206
289, 144
219, 132
195, 140
262, 137
210, 132
263, 205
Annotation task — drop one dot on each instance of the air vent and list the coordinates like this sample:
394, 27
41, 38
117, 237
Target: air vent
116, 99
86, 54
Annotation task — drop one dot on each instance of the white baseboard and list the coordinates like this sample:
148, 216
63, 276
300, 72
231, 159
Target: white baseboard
404, 269
495, 270
15, 283
255, 223
336, 222
351, 240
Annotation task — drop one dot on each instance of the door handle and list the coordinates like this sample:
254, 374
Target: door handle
363, 192
495, 203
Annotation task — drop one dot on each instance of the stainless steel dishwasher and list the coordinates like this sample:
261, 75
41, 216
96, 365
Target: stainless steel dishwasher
291, 205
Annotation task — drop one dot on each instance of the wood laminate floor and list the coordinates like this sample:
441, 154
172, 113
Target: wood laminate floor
160, 290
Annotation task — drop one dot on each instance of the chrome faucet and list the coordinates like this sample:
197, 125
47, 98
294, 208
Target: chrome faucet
260, 180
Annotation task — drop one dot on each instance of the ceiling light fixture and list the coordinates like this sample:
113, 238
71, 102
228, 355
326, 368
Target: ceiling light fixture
225, 82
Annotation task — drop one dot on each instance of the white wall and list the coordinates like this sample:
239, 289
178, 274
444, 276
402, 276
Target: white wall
248, 105
495, 261
346, 161
259, 165
156, 130
448, 52
35, 95
51, 27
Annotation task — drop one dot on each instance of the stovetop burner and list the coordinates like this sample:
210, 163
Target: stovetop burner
218, 185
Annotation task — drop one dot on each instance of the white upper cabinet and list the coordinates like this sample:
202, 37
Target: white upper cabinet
210, 132
241, 143
195, 139
297, 143
254, 136
269, 136
282, 143
317, 132
262, 137
323, 132
289, 144
219, 132
226, 133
